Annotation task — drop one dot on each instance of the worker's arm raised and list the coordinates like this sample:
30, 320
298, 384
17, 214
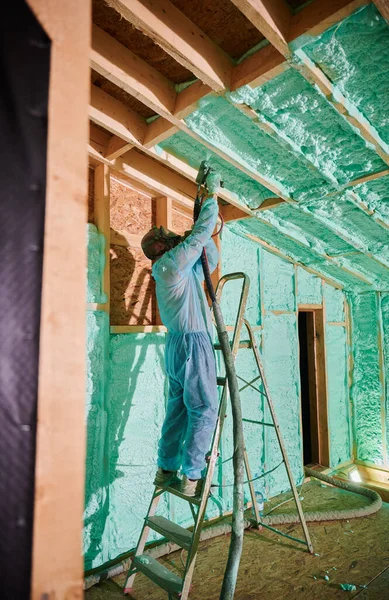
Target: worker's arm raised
212, 257
189, 251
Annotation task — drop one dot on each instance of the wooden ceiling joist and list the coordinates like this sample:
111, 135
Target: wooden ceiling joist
181, 38
271, 17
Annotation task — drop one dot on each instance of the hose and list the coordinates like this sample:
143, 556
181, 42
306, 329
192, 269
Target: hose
212, 531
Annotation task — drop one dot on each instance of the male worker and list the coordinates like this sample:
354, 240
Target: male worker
192, 403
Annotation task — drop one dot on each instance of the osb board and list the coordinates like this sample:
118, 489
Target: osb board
132, 288
273, 567
91, 195
131, 210
296, 4
141, 45
115, 91
223, 23
180, 222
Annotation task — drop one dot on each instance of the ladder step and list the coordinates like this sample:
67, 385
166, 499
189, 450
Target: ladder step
244, 344
259, 422
221, 380
174, 489
173, 532
164, 578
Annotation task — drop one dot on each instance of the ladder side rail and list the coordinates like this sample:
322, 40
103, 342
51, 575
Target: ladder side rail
280, 438
144, 534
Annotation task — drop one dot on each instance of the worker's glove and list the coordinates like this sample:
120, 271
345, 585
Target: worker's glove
213, 182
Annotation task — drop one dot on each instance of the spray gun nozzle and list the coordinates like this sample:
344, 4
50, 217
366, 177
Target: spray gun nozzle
204, 171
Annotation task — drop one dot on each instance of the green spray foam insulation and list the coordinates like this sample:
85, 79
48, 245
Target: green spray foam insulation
384, 306
246, 190
366, 389
319, 132
309, 288
354, 54
375, 195
95, 265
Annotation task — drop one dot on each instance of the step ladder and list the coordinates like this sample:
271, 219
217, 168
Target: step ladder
179, 587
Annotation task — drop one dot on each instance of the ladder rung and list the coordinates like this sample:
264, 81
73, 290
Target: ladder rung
244, 344
172, 489
221, 380
258, 422
164, 578
173, 532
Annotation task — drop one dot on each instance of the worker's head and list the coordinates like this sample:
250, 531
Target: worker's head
159, 240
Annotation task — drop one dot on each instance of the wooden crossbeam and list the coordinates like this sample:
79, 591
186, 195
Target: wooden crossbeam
271, 17
116, 147
233, 213
383, 7
181, 38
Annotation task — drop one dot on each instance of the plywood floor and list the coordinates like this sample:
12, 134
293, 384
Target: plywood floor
272, 568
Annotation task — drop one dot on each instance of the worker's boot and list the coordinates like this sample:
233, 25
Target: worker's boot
191, 487
165, 478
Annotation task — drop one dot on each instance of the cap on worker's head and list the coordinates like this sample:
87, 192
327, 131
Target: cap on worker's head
157, 241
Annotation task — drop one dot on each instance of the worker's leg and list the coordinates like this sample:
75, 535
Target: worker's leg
175, 423
201, 401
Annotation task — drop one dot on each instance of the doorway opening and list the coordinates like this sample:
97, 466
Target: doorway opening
313, 387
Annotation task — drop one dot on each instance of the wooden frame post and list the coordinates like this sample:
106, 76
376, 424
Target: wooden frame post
163, 218
102, 222
57, 563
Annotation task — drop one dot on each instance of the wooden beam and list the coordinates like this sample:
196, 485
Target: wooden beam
57, 563
106, 111
102, 222
271, 17
260, 67
270, 203
383, 7
116, 147
181, 38
233, 213
132, 74
321, 386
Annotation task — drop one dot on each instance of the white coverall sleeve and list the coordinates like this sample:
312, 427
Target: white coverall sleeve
189, 251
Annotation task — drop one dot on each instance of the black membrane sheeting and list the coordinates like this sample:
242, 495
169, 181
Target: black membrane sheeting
24, 83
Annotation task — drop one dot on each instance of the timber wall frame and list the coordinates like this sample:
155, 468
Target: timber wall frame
57, 569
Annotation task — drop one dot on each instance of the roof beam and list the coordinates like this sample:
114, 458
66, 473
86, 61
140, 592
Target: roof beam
178, 36
271, 17
383, 7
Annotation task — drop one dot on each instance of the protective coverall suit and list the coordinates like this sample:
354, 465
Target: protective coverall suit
192, 403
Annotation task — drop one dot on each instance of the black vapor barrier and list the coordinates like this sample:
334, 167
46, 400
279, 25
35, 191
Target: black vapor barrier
24, 84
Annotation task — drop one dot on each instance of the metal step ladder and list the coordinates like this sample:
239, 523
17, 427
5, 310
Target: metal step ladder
179, 587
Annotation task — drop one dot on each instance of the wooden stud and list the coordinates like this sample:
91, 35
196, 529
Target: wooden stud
321, 386
164, 212
178, 36
271, 17
102, 222
57, 563
138, 329
270, 203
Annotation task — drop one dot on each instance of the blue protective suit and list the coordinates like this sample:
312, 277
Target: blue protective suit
192, 403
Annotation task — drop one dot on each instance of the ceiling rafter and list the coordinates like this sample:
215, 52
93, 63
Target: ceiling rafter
168, 27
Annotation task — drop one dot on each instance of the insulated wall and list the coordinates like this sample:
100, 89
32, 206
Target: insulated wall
127, 391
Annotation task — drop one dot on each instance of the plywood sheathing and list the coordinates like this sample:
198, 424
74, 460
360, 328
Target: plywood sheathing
119, 94
110, 21
223, 23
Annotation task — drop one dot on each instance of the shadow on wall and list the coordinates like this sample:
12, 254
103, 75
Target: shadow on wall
132, 287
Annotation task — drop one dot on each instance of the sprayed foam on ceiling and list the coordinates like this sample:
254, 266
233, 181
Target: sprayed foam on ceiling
354, 54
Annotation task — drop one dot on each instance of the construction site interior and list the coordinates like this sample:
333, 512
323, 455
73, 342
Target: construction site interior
289, 101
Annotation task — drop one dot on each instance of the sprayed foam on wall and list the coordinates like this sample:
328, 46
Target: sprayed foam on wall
354, 54
278, 280
95, 265
375, 195
246, 190
366, 390
96, 489
384, 305
313, 126
309, 288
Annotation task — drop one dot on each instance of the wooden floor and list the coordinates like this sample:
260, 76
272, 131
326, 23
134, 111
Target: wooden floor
274, 568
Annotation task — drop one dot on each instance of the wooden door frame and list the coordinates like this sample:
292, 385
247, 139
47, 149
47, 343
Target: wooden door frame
318, 395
